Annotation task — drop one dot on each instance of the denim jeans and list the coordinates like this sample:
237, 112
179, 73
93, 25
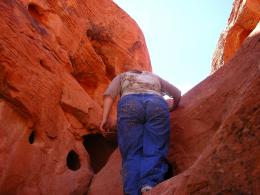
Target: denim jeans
143, 138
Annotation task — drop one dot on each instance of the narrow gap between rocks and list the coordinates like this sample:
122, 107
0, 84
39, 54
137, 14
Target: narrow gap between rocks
99, 150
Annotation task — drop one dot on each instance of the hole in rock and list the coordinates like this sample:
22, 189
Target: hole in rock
32, 137
137, 45
90, 34
44, 65
36, 12
99, 150
73, 161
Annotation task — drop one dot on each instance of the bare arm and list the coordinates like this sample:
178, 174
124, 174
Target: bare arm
108, 102
111, 92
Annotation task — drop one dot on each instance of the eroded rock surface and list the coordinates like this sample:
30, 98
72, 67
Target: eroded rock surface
243, 19
56, 59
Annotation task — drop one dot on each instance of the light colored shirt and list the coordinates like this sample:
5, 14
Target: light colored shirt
143, 82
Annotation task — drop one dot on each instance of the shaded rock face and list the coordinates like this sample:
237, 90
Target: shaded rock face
243, 19
56, 59
215, 131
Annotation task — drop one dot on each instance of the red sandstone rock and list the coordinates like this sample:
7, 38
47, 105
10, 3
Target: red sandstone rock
242, 21
56, 59
215, 133
108, 180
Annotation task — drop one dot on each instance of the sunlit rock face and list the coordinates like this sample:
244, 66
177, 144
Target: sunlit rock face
56, 59
215, 131
243, 19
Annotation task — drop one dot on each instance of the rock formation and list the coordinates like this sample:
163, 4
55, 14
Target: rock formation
215, 132
56, 59
243, 19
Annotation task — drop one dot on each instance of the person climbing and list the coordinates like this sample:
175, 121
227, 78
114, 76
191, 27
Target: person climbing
143, 126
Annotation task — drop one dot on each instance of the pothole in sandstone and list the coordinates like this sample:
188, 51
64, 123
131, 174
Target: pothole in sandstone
99, 150
37, 13
73, 161
32, 137
34, 11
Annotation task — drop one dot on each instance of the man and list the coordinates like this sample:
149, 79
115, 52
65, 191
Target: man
143, 126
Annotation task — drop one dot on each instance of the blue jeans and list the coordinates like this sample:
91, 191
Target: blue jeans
143, 137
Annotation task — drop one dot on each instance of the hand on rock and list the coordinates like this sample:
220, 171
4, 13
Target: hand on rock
170, 102
105, 127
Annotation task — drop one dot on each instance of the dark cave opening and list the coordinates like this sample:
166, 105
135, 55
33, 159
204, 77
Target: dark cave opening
172, 170
32, 137
73, 161
99, 150
35, 11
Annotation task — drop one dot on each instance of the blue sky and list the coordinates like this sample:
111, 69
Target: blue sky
181, 36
